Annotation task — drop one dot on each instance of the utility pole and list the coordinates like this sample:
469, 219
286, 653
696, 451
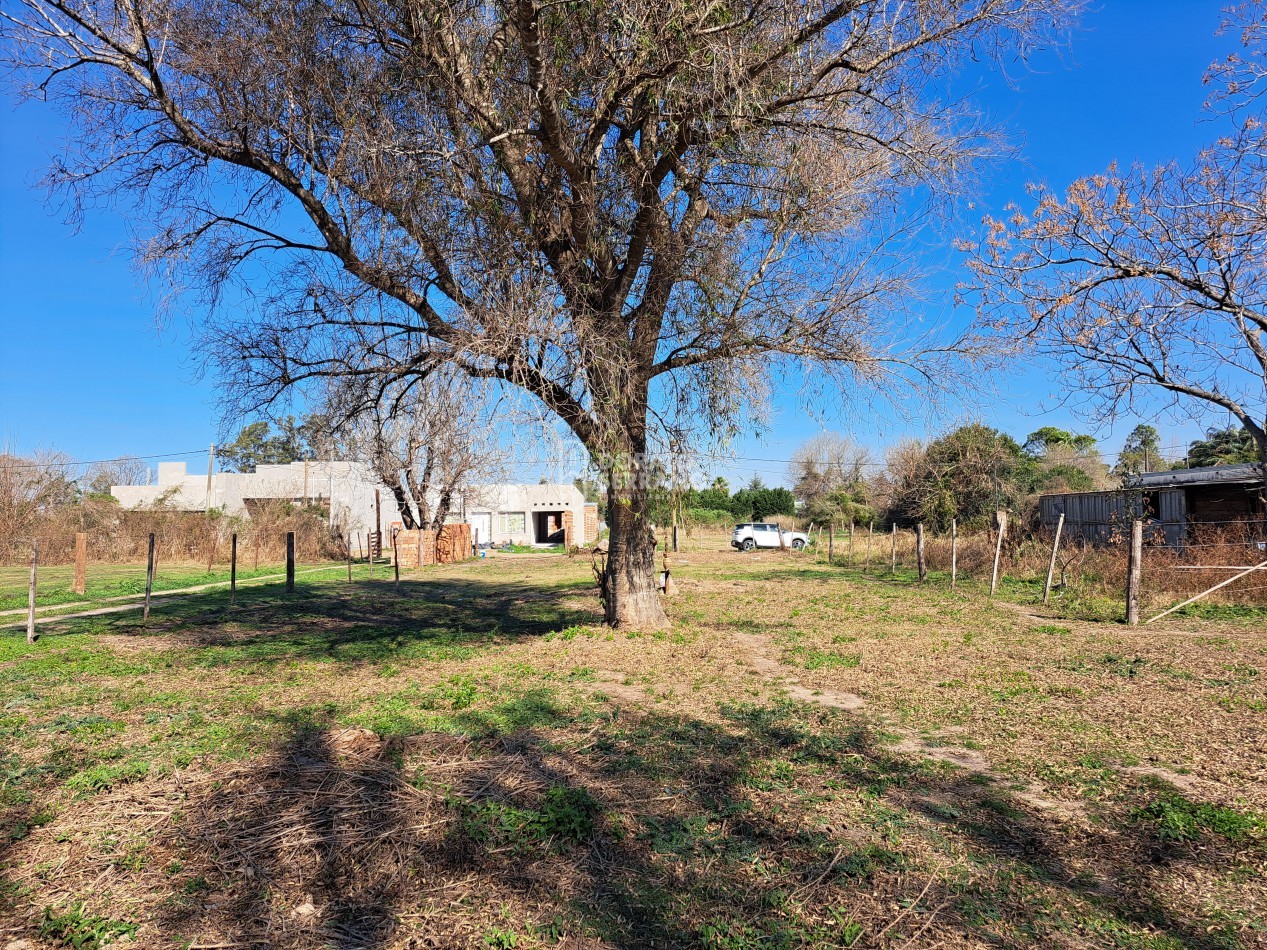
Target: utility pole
211, 466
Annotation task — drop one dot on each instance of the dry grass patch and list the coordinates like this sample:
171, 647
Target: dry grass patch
813, 756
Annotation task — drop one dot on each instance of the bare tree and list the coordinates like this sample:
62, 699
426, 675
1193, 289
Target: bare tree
31, 488
431, 442
829, 477
125, 470
1150, 285
634, 211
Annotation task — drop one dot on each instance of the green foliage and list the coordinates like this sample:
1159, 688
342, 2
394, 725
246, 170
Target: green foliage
74, 928
966, 474
711, 517
594, 492
763, 503
1176, 818
756, 502
256, 445
501, 939
1039, 443
566, 817
1229, 446
102, 777
1141, 452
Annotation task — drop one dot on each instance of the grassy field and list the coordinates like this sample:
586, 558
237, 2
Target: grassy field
112, 583
813, 756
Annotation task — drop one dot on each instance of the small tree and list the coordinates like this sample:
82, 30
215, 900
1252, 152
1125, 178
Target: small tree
1141, 452
256, 445
829, 475
1150, 285
966, 474
430, 442
101, 476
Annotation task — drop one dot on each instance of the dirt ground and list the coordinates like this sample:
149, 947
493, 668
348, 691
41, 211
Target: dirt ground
812, 756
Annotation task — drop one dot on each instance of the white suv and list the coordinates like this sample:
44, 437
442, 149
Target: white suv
761, 535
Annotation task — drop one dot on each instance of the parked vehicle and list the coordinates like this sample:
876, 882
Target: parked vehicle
760, 534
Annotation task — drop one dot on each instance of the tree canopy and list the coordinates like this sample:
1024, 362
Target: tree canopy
1149, 285
256, 445
631, 211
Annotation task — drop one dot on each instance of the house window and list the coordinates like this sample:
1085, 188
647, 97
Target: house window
514, 522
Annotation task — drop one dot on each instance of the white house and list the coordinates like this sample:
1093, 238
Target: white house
346, 489
524, 514
498, 514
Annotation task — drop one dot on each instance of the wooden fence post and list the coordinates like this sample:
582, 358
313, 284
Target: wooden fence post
870, 532
31, 635
233, 568
893, 549
290, 562
149, 579
395, 558
1001, 518
851, 542
831, 543
569, 547
350, 558
919, 552
1051, 566
81, 563
954, 553
1134, 569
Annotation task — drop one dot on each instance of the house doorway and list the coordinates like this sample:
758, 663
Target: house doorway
548, 527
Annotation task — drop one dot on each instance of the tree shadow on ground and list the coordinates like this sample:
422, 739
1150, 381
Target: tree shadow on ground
773, 827
358, 621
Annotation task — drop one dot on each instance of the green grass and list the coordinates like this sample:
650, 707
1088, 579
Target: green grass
634, 789
1173, 817
119, 582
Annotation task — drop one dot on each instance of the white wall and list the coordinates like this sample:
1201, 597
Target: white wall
500, 500
348, 488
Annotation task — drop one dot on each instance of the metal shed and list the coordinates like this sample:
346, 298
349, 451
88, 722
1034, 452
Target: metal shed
1176, 502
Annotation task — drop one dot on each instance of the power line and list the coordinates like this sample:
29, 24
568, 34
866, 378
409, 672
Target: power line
43, 466
557, 460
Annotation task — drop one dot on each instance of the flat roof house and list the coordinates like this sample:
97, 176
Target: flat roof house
345, 489
498, 514
528, 514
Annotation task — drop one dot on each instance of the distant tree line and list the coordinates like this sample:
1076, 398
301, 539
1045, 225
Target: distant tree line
964, 475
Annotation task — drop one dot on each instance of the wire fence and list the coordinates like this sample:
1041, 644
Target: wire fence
1088, 579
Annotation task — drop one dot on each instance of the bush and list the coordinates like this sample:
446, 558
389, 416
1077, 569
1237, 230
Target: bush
709, 518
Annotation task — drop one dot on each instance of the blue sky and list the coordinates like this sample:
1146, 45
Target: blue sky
88, 371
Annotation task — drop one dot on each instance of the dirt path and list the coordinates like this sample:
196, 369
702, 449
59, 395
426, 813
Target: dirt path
756, 651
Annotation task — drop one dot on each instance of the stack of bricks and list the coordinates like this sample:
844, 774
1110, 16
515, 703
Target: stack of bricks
424, 548
415, 548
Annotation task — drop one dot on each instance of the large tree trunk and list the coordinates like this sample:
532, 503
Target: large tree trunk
632, 600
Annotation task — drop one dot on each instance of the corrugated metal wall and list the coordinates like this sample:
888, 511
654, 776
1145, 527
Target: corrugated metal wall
1172, 509
1104, 516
